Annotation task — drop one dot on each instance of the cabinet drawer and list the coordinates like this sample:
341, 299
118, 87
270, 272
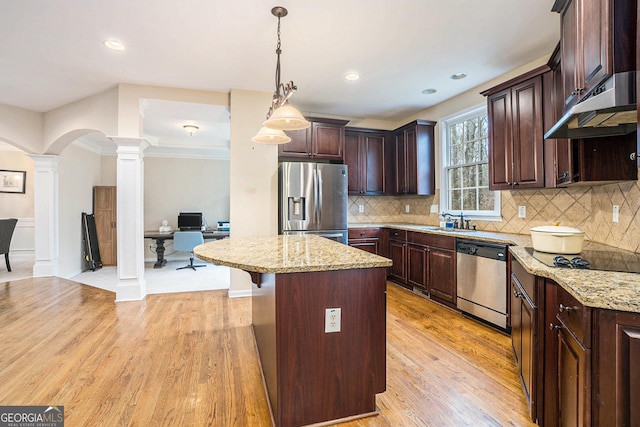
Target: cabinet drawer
574, 316
525, 279
363, 233
435, 240
397, 234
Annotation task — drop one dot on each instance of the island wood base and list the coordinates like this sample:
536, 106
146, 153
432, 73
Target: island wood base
312, 376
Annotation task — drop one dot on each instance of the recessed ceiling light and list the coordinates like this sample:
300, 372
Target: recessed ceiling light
429, 91
458, 76
114, 44
352, 76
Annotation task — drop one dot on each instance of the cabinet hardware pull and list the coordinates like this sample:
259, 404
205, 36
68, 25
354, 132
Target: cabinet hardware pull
632, 156
562, 308
517, 294
556, 327
564, 175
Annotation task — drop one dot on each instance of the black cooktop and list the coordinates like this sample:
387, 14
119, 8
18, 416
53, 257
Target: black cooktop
623, 261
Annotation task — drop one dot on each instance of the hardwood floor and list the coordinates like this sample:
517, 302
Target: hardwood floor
189, 359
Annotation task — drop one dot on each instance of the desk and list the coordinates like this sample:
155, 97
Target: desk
161, 237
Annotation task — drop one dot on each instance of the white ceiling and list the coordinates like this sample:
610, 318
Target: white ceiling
52, 52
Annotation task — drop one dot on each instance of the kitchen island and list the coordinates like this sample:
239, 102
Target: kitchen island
319, 365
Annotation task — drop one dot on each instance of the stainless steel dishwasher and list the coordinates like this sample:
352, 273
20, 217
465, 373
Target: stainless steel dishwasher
482, 280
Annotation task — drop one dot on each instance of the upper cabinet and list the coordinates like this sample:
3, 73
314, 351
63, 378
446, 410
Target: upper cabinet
364, 154
324, 140
415, 158
597, 40
516, 132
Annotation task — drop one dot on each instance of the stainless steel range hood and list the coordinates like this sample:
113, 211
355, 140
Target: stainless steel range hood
610, 110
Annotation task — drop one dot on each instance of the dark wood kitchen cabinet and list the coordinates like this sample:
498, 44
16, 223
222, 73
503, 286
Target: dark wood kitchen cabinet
524, 320
591, 161
415, 158
324, 140
364, 154
597, 40
567, 354
367, 239
398, 255
431, 265
616, 380
516, 132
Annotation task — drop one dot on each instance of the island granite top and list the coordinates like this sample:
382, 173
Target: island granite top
287, 254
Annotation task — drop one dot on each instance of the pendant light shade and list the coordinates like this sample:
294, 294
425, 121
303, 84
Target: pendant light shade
286, 117
270, 136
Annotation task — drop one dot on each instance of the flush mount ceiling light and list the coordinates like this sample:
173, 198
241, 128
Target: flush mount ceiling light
458, 76
191, 129
429, 91
114, 44
352, 76
281, 116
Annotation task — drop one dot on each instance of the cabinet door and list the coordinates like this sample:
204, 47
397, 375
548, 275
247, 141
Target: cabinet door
401, 164
374, 165
353, 160
574, 384
527, 133
411, 162
500, 140
417, 265
104, 210
300, 145
594, 34
327, 141
397, 254
616, 370
570, 51
523, 338
367, 245
441, 275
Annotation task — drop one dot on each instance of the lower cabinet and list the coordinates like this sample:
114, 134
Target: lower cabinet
367, 239
430, 264
398, 254
524, 317
616, 368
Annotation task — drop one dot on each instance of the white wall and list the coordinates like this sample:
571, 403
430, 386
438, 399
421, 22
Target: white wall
78, 173
254, 177
18, 205
184, 185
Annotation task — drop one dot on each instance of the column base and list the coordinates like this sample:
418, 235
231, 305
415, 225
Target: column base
131, 290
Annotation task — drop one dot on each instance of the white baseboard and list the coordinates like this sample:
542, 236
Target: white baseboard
240, 294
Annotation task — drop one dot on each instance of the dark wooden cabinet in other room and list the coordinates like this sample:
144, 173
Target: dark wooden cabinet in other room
516, 132
524, 319
364, 154
104, 211
616, 368
597, 40
324, 140
415, 158
367, 239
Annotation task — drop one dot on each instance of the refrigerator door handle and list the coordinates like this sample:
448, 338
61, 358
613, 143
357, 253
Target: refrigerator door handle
318, 195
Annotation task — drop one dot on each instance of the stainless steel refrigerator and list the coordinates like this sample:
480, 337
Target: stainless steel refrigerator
313, 199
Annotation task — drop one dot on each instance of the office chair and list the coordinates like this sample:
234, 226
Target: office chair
7, 226
185, 241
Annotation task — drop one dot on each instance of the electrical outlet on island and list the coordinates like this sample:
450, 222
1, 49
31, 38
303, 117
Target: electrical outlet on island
332, 320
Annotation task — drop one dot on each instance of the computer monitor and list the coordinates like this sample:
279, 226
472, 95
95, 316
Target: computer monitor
190, 221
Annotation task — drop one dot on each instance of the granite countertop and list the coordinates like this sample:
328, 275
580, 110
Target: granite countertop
593, 288
287, 254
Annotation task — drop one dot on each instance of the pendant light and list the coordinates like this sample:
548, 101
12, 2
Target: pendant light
282, 115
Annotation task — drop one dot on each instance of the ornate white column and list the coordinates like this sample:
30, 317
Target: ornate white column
130, 218
45, 168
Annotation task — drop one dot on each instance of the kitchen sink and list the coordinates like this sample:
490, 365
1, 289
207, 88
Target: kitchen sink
436, 228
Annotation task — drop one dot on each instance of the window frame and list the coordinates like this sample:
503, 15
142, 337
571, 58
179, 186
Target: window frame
461, 116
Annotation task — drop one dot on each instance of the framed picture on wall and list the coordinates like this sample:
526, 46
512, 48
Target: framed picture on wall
12, 181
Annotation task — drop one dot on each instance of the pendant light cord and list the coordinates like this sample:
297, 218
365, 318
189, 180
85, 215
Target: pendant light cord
278, 52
